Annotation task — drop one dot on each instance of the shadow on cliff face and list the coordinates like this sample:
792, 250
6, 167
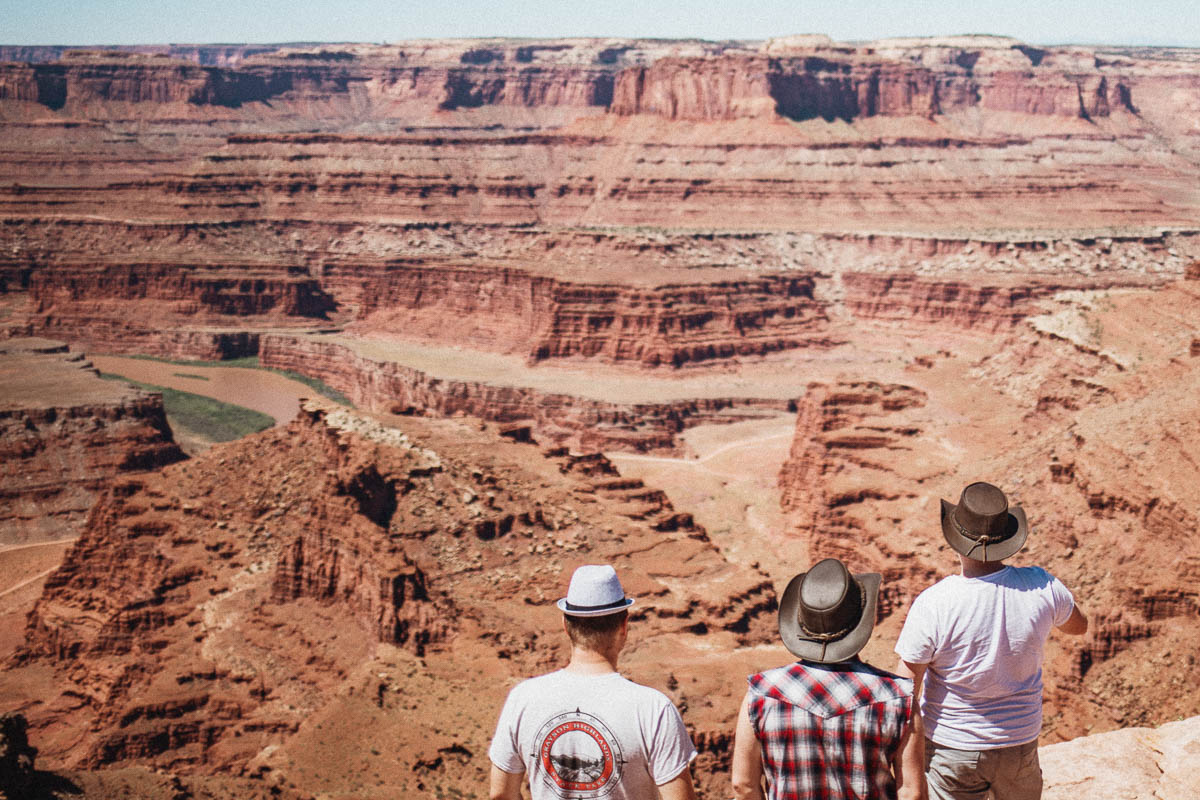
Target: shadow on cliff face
804, 95
375, 495
18, 778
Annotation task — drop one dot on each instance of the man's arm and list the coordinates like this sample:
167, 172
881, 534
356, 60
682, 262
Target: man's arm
747, 757
1076, 624
908, 767
505, 785
679, 788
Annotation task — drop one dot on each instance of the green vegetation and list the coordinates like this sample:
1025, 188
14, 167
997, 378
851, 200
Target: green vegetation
251, 362
203, 416
189, 375
245, 361
318, 386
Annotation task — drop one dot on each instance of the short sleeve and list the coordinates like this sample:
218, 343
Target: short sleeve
917, 642
672, 748
505, 751
1064, 601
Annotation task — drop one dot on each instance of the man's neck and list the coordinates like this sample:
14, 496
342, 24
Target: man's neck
977, 569
589, 662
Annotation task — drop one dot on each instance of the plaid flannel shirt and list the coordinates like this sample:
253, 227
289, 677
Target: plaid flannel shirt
829, 731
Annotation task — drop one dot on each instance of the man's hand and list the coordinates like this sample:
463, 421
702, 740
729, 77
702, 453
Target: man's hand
505, 785
747, 757
908, 767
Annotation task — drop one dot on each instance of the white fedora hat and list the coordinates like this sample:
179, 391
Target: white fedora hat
595, 591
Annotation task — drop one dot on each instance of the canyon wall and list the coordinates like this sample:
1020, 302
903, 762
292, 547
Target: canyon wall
510, 310
65, 435
847, 83
585, 423
183, 311
580, 132
681, 311
685, 80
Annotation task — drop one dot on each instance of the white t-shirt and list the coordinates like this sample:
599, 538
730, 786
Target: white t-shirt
590, 736
983, 640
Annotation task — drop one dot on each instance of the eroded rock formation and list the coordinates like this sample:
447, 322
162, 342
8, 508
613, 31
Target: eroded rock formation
207, 611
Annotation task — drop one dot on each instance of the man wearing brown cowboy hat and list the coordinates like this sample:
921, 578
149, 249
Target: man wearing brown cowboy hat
585, 731
975, 641
829, 725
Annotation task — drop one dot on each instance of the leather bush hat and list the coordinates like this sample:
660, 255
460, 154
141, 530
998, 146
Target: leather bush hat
595, 591
982, 526
827, 614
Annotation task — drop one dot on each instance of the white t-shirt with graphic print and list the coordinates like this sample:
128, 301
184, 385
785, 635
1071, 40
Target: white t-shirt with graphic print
590, 737
983, 639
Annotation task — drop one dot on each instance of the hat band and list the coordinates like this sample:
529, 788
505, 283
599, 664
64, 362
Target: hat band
616, 604
841, 633
980, 538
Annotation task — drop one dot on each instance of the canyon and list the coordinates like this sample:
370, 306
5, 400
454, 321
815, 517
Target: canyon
709, 311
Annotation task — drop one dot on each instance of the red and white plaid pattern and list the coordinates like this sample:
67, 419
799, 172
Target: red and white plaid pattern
829, 731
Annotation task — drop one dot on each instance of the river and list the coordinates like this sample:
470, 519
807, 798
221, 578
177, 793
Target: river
268, 392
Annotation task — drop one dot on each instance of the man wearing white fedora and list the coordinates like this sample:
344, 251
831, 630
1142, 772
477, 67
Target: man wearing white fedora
584, 731
974, 642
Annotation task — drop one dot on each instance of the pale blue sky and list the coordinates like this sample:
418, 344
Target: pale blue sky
1162, 22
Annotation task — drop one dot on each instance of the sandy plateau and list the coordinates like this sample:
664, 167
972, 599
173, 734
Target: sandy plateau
707, 311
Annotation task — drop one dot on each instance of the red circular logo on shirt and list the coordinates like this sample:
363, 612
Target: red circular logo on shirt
579, 756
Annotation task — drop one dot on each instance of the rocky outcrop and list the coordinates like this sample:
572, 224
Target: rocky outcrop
65, 435
204, 609
380, 586
1135, 763
841, 430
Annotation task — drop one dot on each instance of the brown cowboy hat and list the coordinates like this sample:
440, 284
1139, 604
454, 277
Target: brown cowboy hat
982, 526
827, 614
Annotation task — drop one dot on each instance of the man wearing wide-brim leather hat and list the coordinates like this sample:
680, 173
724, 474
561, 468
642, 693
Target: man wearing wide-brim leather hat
828, 725
585, 731
973, 643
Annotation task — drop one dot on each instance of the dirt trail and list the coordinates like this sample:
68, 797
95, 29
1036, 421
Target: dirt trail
8, 548
730, 487
25, 583
704, 459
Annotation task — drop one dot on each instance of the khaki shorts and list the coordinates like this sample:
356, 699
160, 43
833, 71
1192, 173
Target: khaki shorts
1006, 773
